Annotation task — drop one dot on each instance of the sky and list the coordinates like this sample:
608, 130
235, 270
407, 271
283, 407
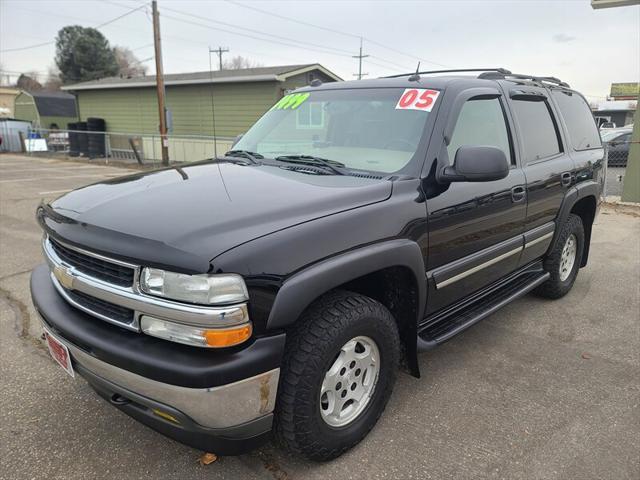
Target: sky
587, 48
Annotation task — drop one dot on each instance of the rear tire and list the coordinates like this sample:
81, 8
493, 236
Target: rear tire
563, 262
318, 379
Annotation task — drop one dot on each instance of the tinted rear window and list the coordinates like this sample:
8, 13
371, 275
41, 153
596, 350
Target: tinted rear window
537, 128
577, 115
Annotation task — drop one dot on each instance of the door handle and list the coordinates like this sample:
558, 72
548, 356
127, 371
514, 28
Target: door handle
566, 178
518, 194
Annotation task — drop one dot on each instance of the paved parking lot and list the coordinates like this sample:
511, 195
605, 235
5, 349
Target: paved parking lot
615, 181
541, 390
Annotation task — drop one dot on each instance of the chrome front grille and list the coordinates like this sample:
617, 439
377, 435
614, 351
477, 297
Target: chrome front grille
96, 285
106, 309
93, 266
92, 282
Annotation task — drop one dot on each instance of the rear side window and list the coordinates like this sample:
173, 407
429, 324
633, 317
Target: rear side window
583, 133
481, 122
626, 138
537, 128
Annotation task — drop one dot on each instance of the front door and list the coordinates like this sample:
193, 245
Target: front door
475, 229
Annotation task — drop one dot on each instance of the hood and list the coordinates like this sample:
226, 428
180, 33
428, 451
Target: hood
202, 209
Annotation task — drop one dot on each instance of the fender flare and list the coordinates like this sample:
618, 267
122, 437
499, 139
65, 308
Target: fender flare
582, 190
303, 287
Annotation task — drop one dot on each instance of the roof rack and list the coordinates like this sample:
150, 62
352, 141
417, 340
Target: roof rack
502, 71
494, 75
489, 74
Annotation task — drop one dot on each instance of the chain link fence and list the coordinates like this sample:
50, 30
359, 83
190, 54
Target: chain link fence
135, 149
618, 154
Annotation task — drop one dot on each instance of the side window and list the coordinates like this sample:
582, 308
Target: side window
481, 122
577, 115
538, 130
626, 138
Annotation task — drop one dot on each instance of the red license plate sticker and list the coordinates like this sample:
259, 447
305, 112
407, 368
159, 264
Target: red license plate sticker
417, 99
60, 353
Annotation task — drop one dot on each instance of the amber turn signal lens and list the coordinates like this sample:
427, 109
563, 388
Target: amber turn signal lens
227, 337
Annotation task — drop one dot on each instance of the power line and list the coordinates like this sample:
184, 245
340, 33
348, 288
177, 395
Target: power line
191, 22
108, 22
281, 39
141, 47
258, 32
283, 17
308, 24
406, 54
288, 42
27, 48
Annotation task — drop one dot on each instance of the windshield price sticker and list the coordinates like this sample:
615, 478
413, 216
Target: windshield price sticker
417, 99
291, 101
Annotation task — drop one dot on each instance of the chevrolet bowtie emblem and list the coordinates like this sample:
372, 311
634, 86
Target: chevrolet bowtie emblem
64, 276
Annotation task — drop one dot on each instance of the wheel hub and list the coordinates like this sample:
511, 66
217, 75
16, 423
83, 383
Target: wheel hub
568, 257
350, 382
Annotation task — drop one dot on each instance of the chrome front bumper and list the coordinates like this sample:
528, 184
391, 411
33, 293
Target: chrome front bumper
214, 408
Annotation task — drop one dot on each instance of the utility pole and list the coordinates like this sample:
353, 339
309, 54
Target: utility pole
162, 111
360, 57
219, 51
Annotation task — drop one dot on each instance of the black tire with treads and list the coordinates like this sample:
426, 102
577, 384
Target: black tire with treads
312, 345
554, 287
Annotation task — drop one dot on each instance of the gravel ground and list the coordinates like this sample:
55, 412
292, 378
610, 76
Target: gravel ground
540, 390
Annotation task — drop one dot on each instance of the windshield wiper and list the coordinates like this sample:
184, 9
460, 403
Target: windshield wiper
251, 156
315, 161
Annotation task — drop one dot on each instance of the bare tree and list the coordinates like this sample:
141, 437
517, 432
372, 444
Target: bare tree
53, 81
128, 63
28, 82
238, 62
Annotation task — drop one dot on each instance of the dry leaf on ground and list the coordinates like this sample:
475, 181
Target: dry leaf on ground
208, 458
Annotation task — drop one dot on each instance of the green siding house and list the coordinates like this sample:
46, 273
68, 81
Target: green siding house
239, 98
46, 109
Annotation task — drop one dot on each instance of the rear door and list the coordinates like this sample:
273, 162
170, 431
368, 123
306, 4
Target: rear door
548, 168
475, 229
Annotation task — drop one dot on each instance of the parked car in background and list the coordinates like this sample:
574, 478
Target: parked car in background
607, 126
617, 144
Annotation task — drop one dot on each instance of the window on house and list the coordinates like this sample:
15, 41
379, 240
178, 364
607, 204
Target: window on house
310, 115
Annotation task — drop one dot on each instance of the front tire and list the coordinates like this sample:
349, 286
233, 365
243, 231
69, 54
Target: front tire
338, 372
563, 261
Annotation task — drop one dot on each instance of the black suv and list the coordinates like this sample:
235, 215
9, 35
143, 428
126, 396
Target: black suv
280, 287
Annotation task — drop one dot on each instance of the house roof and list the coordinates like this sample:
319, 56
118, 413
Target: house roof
9, 91
54, 104
616, 105
258, 74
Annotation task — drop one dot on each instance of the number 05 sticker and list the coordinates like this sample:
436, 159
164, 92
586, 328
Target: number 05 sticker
417, 99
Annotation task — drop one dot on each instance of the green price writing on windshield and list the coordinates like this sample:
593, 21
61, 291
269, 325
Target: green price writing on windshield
291, 101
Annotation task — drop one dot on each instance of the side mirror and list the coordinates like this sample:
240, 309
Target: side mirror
477, 164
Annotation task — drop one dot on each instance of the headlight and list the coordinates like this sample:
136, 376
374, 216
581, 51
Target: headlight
203, 289
197, 336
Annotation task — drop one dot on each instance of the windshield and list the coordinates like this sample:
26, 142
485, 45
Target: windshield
610, 135
366, 129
